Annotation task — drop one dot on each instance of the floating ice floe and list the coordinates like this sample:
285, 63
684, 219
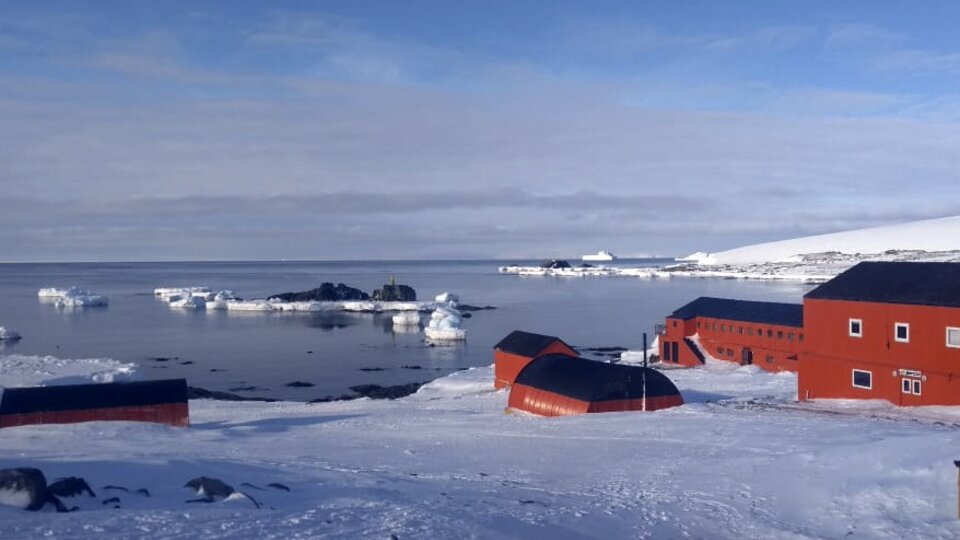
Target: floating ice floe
188, 302
167, 293
447, 298
73, 297
445, 325
7, 334
407, 318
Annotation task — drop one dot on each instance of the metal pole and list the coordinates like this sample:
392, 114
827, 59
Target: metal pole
957, 464
644, 371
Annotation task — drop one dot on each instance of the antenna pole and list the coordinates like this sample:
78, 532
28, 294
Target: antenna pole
644, 371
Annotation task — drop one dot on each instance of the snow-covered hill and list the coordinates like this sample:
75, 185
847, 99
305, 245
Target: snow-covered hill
934, 235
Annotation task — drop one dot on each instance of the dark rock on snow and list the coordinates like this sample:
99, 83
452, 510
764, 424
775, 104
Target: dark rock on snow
555, 263
326, 292
299, 384
392, 292
194, 392
375, 391
33, 483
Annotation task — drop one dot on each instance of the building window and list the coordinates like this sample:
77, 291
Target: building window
769, 333
779, 334
907, 387
769, 358
720, 351
953, 337
856, 328
674, 324
666, 351
862, 379
714, 327
750, 331
916, 388
723, 328
790, 336
901, 332
729, 352
801, 336
698, 325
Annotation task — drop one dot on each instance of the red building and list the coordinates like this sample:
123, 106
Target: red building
518, 349
768, 334
884, 330
164, 402
559, 385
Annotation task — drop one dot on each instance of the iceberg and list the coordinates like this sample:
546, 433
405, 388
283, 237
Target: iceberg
167, 293
445, 325
74, 298
188, 302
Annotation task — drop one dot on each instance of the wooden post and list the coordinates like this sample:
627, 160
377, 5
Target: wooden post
957, 464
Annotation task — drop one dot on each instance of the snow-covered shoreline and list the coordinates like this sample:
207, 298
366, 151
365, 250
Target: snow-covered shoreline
736, 461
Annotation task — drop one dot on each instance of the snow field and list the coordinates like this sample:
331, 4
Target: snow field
447, 462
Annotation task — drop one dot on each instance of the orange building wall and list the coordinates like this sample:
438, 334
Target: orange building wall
726, 340
831, 353
507, 366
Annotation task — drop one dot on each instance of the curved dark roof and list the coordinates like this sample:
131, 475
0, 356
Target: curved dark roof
92, 396
777, 313
588, 380
926, 283
526, 343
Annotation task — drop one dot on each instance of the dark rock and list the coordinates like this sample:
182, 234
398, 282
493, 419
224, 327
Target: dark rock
375, 391
69, 487
466, 315
186, 363
112, 500
391, 292
555, 263
299, 384
159, 359
468, 307
32, 483
326, 292
194, 392
245, 389
328, 399
278, 485
412, 367
372, 369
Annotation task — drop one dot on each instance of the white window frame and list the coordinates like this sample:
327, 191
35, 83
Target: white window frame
850, 327
896, 327
949, 328
906, 386
853, 378
917, 387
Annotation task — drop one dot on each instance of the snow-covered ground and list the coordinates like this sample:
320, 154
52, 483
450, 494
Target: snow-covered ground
737, 461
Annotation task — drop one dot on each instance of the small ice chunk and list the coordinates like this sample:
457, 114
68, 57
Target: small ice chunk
447, 297
7, 334
189, 302
407, 318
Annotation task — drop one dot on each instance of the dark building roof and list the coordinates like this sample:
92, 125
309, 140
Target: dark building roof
92, 396
928, 284
742, 310
591, 381
525, 343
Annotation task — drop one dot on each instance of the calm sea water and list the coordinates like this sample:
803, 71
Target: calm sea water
333, 351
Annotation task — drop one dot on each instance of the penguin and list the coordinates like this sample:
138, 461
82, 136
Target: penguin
26, 488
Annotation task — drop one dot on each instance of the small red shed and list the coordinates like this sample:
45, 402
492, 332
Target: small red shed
164, 402
516, 350
884, 330
558, 385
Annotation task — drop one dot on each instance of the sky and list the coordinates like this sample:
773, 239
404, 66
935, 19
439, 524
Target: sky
328, 130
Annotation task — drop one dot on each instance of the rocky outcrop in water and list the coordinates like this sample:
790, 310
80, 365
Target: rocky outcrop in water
395, 293
326, 292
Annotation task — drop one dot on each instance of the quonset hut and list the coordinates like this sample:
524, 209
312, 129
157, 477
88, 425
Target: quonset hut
164, 402
516, 350
559, 385
768, 334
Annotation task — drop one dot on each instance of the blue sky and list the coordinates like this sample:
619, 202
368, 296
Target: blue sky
366, 130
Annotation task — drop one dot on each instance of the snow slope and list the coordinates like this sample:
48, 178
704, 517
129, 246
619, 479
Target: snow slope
930, 235
448, 463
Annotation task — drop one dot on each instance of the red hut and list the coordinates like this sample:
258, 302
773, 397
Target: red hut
768, 334
164, 402
516, 350
884, 330
558, 385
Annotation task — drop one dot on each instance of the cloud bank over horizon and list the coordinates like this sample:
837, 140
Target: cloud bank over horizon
225, 131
